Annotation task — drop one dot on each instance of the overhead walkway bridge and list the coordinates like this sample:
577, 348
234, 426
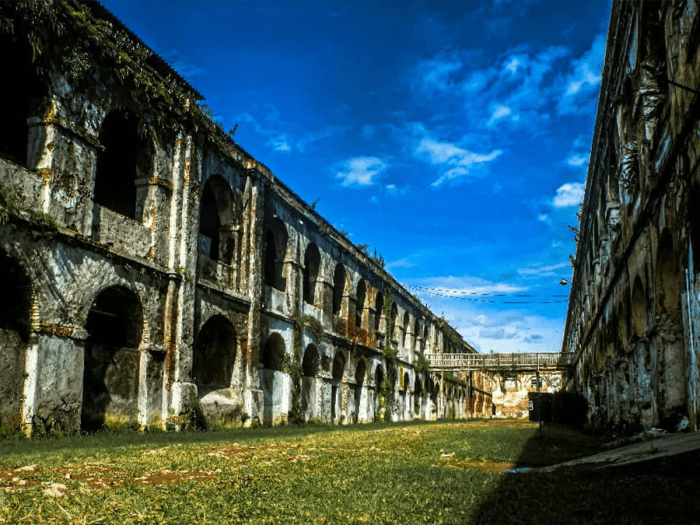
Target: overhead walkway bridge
495, 362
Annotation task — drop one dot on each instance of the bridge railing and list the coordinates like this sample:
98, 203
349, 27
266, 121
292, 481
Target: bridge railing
508, 361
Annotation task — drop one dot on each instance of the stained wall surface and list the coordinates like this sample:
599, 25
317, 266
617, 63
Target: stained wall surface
634, 313
153, 267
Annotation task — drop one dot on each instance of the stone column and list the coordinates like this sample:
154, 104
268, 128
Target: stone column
253, 396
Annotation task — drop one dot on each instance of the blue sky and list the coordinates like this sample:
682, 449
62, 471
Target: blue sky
453, 137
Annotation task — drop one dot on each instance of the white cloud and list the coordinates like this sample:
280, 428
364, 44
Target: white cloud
401, 263
499, 113
361, 171
542, 217
458, 161
569, 194
582, 81
576, 161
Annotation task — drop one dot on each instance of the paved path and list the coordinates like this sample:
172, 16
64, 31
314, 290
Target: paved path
658, 447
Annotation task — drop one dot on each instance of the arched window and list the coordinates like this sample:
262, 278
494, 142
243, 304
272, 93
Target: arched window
360, 303
392, 321
378, 310
118, 164
406, 325
338, 366
273, 353
214, 355
309, 366
216, 220
338, 288
275, 250
312, 261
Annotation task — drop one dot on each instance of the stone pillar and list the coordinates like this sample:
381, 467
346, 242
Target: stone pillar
179, 391
253, 396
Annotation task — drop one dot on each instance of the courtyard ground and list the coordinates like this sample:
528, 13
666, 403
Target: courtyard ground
442, 472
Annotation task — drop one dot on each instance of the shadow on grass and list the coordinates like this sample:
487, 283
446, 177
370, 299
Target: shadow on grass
664, 491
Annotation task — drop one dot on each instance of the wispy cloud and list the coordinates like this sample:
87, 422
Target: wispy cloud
453, 286
569, 194
268, 123
361, 171
542, 271
583, 80
457, 162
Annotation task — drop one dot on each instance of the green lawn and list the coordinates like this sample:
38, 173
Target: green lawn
445, 472
391, 473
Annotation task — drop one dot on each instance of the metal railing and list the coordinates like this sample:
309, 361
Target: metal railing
514, 361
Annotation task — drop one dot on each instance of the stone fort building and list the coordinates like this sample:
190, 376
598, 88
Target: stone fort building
634, 313
152, 266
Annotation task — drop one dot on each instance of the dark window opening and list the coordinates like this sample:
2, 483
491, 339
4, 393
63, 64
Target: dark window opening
117, 172
309, 366
15, 307
273, 353
270, 259
360, 303
338, 288
378, 310
209, 223
217, 216
338, 366
21, 89
312, 261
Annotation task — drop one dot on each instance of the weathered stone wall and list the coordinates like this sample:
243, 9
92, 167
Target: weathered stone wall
156, 268
510, 396
634, 311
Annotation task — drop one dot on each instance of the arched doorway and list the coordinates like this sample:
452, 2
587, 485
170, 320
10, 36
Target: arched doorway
112, 360
360, 372
309, 371
272, 378
379, 394
214, 355
336, 394
15, 318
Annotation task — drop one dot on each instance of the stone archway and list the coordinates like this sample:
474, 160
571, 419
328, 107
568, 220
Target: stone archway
112, 359
15, 319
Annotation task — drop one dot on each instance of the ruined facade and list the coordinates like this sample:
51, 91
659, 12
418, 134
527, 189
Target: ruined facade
153, 267
634, 312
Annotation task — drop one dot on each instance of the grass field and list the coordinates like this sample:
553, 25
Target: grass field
445, 472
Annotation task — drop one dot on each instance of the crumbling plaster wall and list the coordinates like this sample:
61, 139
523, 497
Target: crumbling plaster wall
633, 313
